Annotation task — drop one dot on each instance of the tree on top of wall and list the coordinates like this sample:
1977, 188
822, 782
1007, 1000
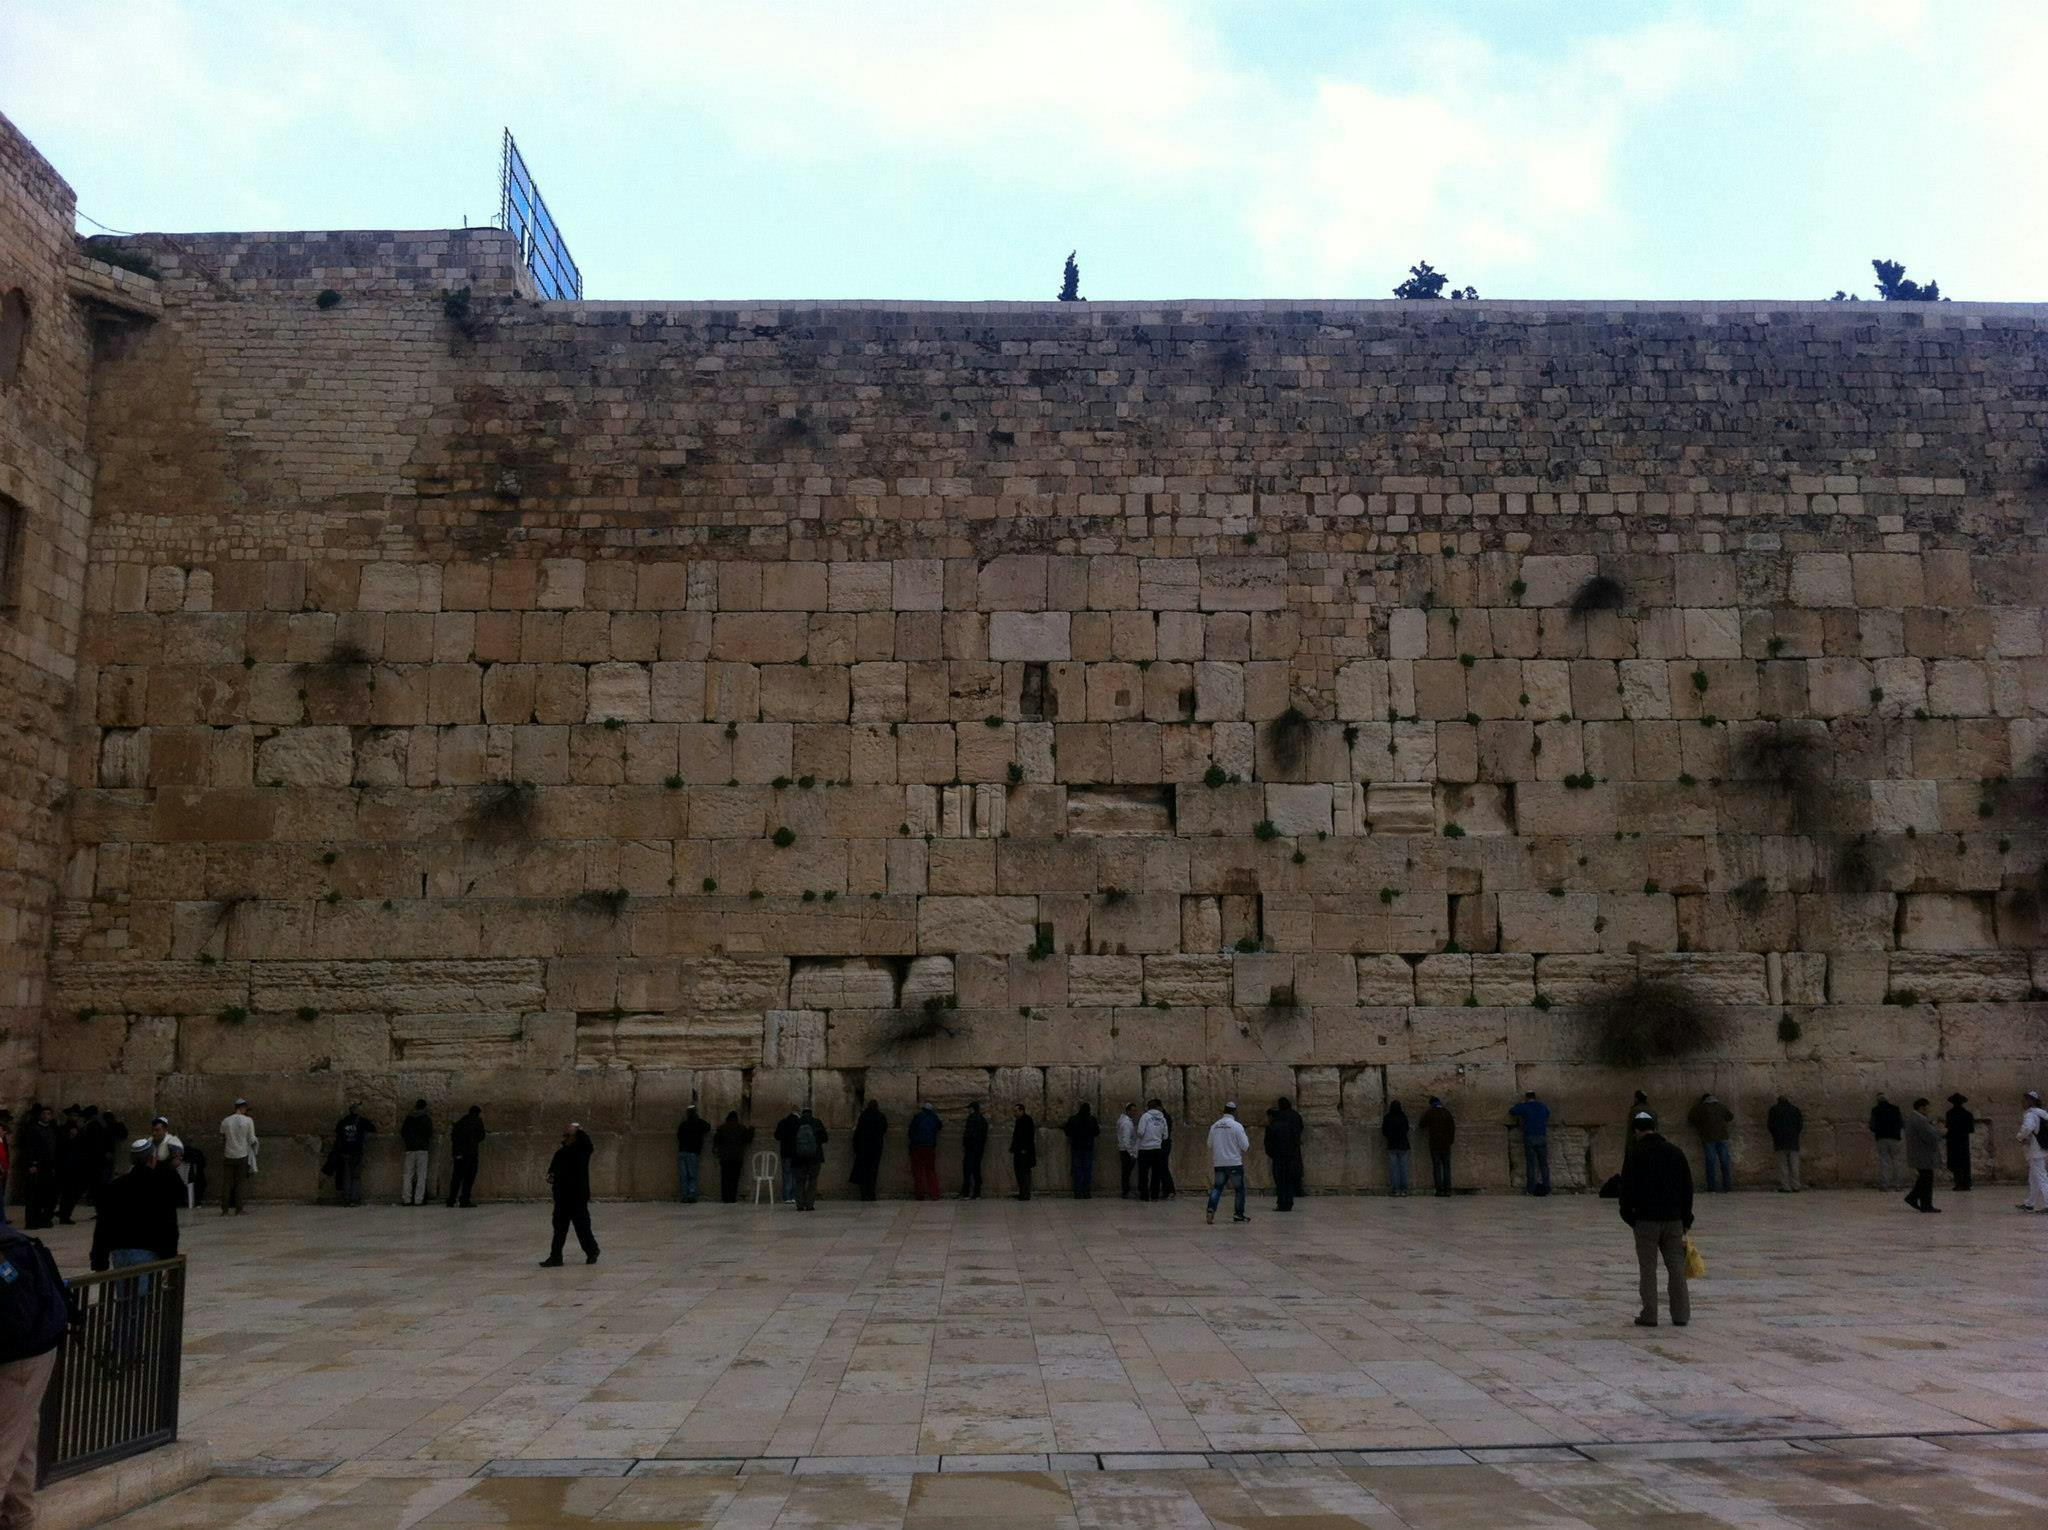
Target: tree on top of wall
1070, 281
1894, 287
1425, 281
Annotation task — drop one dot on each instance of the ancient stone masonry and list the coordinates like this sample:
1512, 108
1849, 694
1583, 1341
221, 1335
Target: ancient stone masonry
584, 708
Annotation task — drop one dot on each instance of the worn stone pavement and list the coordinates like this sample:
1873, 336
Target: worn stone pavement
1358, 1361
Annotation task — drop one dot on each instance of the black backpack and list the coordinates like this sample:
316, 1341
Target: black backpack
805, 1146
33, 1310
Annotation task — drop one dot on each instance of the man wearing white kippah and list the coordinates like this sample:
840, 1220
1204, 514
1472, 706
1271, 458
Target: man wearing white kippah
1228, 1143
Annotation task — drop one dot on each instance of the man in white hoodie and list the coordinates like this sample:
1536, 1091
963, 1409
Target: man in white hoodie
237, 1156
2034, 1134
1151, 1152
1228, 1143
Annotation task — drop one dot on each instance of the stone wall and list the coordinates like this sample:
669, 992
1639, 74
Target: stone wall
582, 708
45, 510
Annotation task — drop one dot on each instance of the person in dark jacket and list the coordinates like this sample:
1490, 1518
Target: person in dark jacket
32, 1323
1656, 1201
1394, 1131
1711, 1120
807, 1146
352, 1135
416, 1134
1023, 1151
691, 1132
1439, 1130
1923, 1151
1887, 1126
870, 1136
924, 1154
973, 1144
74, 1168
1081, 1130
1785, 1123
1284, 1131
138, 1213
6, 1152
465, 1149
729, 1147
1958, 1124
36, 1163
785, 1144
569, 1181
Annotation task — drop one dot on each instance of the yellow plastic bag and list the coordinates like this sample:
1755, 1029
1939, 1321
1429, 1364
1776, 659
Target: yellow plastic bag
1695, 1267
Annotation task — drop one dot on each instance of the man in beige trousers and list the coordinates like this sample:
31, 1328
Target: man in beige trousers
32, 1318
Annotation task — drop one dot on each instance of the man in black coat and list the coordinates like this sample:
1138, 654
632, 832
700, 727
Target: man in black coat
785, 1144
138, 1213
569, 1179
1081, 1130
36, 1164
1284, 1131
1023, 1151
465, 1146
1960, 1122
870, 1136
973, 1143
1656, 1200
691, 1133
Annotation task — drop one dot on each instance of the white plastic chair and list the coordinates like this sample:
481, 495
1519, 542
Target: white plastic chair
767, 1172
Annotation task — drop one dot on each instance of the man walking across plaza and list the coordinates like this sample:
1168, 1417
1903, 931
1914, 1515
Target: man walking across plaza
2034, 1140
1081, 1130
1923, 1148
1228, 1143
569, 1183
1656, 1201
1023, 1150
1440, 1131
237, 1156
465, 1150
1887, 1126
1957, 1127
1533, 1116
1126, 1147
33, 1314
807, 1151
690, 1134
1785, 1124
1710, 1120
729, 1147
1284, 1132
973, 1148
924, 1154
1151, 1152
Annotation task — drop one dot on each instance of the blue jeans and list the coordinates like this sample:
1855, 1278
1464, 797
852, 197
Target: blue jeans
1225, 1173
788, 1181
348, 1179
1397, 1170
1717, 1156
686, 1177
1536, 1162
1084, 1173
1440, 1171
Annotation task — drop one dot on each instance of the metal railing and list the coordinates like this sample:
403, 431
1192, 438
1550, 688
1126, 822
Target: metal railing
521, 210
114, 1390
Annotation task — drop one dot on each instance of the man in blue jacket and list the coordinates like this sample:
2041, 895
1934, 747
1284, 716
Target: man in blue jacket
1533, 1116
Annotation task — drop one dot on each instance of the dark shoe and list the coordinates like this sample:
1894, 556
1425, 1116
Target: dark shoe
551, 1264
1680, 1322
1209, 1216
590, 1259
1240, 1219
1646, 1322
1935, 1209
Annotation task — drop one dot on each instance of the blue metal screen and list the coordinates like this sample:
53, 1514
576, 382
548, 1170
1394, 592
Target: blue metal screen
521, 210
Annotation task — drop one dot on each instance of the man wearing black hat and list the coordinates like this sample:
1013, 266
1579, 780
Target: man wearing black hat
38, 1167
1957, 1126
1656, 1201
569, 1183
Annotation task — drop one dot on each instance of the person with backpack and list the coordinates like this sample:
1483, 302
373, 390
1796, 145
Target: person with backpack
569, 1184
690, 1134
416, 1132
33, 1315
1081, 1130
973, 1147
1394, 1131
807, 1152
1710, 1120
729, 1147
1023, 1150
870, 1136
2034, 1136
465, 1146
352, 1135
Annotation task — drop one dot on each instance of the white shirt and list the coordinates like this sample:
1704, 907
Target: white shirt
1151, 1130
168, 1146
2030, 1123
1126, 1133
1228, 1143
239, 1135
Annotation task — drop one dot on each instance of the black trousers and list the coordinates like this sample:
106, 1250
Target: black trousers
1959, 1164
1922, 1193
1151, 1173
574, 1214
462, 1180
1021, 1165
970, 1176
41, 1198
865, 1172
1126, 1163
729, 1179
1286, 1181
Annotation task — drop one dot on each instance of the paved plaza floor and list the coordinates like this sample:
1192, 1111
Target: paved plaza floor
1358, 1361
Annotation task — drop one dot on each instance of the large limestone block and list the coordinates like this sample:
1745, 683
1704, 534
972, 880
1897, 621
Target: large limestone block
1030, 636
849, 983
1575, 979
1232, 583
1385, 979
1401, 807
307, 757
1946, 922
399, 987
953, 924
1299, 810
1719, 977
1961, 976
1180, 980
736, 983
1539, 922
925, 978
457, 1041
684, 1040
793, 1038
620, 692
1105, 981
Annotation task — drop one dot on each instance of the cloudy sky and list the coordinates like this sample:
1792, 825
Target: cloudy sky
959, 148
